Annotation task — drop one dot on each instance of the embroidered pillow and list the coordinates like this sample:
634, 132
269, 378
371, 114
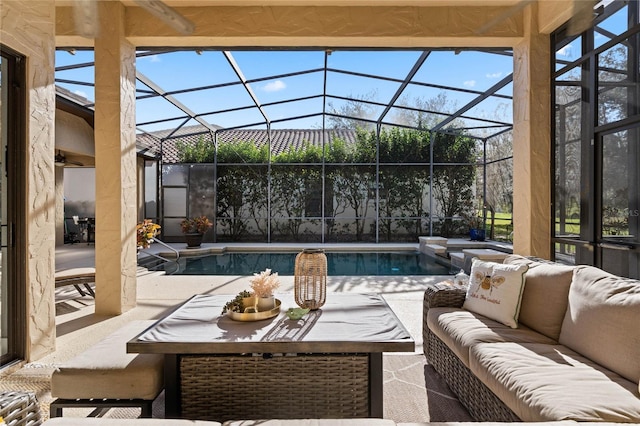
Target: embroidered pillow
495, 291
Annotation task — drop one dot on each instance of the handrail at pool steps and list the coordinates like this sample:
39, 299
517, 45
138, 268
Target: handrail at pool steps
157, 256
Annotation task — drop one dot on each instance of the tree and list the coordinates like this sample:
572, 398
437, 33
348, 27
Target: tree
424, 112
452, 183
353, 113
499, 182
242, 189
352, 190
200, 152
403, 190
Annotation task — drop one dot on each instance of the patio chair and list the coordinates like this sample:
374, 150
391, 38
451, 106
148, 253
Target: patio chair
77, 277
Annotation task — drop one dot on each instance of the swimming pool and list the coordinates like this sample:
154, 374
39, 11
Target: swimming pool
338, 263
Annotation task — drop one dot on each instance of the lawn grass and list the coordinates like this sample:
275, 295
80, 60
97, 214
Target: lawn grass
503, 226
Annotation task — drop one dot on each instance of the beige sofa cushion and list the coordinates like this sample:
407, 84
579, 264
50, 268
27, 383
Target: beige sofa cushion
551, 382
460, 330
106, 370
603, 320
545, 297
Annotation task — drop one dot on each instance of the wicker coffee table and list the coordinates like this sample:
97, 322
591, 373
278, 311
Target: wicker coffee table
326, 365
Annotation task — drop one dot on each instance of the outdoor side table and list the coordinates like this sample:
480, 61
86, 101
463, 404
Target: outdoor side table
19, 408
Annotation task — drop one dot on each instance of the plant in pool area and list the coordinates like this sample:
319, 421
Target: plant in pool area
475, 222
474, 218
145, 231
264, 283
473, 215
195, 225
236, 305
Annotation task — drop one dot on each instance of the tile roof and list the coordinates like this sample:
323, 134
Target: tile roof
281, 139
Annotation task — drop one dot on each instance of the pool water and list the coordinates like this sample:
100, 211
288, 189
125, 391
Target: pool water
338, 263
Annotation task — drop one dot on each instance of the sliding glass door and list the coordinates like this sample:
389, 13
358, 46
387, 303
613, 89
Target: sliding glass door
12, 189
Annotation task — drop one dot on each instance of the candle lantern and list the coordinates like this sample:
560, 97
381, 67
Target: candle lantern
310, 281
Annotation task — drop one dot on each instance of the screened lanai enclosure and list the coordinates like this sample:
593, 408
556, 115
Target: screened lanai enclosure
320, 145
596, 86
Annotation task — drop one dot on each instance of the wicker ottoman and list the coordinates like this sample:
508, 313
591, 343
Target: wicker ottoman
19, 408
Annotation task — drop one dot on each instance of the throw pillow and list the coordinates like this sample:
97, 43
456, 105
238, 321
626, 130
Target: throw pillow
495, 291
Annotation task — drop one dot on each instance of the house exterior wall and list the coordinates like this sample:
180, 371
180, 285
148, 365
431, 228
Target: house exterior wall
74, 134
28, 27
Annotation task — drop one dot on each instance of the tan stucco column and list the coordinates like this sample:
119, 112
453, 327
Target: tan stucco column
115, 163
532, 142
29, 28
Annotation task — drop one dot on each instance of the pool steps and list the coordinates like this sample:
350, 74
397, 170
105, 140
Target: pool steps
461, 252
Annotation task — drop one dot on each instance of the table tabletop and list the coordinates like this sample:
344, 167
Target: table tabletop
348, 322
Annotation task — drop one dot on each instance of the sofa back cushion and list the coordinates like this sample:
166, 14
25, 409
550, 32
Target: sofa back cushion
603, 320
545, 297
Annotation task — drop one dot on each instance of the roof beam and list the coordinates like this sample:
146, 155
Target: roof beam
414, 70
243, 80
153, 86
499, 85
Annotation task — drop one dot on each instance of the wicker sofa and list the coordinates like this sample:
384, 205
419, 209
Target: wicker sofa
575, 354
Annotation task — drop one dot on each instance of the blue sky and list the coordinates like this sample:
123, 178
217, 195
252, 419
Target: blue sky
469, 70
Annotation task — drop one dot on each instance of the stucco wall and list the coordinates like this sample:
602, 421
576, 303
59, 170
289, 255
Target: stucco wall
532, 144
74, 134
28, 27
116, 214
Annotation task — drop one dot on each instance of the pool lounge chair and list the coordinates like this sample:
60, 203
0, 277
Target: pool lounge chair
77, 277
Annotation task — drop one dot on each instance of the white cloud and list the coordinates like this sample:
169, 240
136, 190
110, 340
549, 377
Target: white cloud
495, 75
153, 58
469, 83
566, 50
274, 86
80, 93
